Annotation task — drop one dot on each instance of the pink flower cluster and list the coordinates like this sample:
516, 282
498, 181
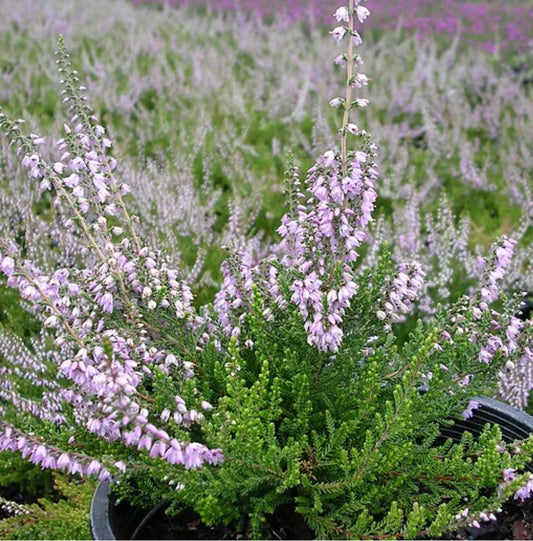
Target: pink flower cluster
501, 258
403, 290
320, 241
39, 452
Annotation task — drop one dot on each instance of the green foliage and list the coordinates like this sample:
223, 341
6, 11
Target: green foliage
13, 317
17, 473
66, 518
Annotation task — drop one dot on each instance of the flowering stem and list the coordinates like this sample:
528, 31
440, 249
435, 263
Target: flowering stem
83, 113
348, 102
47, 300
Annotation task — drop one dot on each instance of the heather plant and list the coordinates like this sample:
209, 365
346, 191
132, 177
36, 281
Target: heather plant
291, 394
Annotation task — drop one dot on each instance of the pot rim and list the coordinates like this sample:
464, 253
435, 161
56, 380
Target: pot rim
100, 521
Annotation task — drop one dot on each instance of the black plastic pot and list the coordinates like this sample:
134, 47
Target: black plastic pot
111, 521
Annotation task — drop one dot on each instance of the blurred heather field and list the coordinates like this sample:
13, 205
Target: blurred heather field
204, 101
490, 24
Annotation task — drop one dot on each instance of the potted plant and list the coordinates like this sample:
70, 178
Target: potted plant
287, 407
110, 519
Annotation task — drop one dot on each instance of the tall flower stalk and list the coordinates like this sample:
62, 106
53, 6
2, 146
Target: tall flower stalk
334, 218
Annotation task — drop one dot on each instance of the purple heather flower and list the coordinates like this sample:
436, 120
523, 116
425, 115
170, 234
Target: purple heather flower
94, 467
77, 164
471, 407
353, 129
206, 406
107, 302
158, 449
524, 492
120, 465
174, 454
340, 60
357, 40
193, 456
360, 80
7, 266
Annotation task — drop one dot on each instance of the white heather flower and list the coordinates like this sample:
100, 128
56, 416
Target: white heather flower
45, 185
357, 40
338, 33
328, 158
336, 102
353, 129
206, 406
361, 102
342, 14
147, 292
51, 322
362, 13
360, 80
